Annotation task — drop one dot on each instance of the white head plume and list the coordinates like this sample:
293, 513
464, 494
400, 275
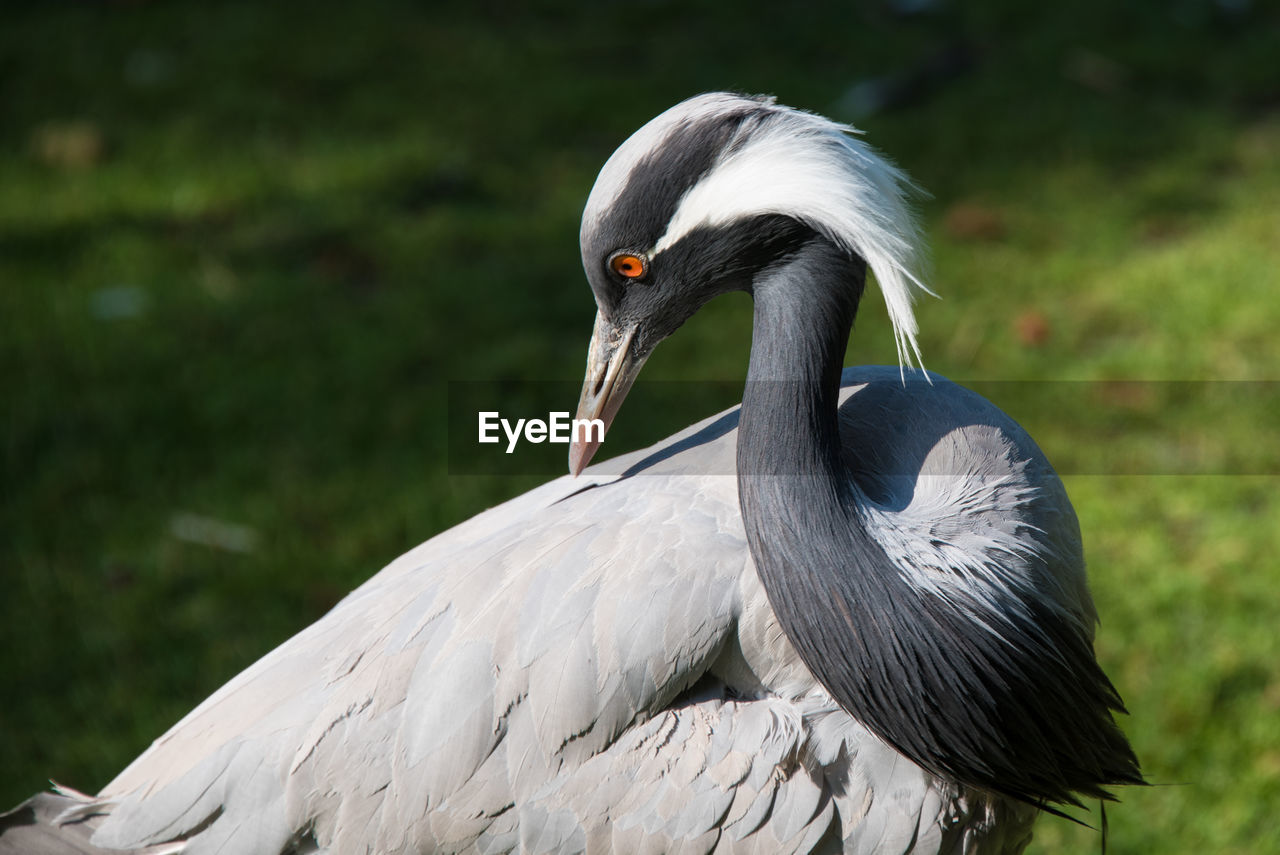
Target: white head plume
804, 166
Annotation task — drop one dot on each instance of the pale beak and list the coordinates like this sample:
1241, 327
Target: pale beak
611, 369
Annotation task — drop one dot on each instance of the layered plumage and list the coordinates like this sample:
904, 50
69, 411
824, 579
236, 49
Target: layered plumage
850, 615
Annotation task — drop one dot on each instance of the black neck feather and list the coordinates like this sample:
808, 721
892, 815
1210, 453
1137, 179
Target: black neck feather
1023, 711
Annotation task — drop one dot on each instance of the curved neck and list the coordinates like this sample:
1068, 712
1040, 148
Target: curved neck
1007, 699
804, 311
819, 566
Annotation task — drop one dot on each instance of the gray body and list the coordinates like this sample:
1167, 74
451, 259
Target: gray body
847, 616
559, 674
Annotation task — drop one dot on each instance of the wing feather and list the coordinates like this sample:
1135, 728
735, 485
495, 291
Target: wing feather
523, 681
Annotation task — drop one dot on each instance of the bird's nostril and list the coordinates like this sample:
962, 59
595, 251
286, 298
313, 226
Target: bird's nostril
598, 386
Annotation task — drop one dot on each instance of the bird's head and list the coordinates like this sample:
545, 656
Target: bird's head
706, 198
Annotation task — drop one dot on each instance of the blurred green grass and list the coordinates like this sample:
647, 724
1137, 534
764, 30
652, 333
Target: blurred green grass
244, 247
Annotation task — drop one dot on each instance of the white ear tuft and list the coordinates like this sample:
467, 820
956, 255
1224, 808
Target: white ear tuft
810, 168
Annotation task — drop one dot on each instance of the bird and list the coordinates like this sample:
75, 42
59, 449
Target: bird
849, 615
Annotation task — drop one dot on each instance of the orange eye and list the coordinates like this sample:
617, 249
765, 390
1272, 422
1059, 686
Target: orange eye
628, 266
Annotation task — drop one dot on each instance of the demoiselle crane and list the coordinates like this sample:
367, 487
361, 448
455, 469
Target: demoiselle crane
877, 637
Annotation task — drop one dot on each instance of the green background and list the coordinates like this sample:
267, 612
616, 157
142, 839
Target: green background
245, 247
